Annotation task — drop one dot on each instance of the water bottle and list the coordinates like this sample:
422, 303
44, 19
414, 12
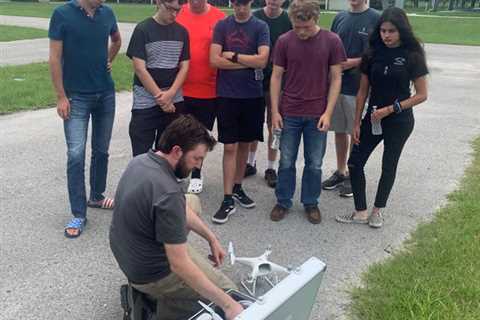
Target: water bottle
277, 133
376, 124
259, 74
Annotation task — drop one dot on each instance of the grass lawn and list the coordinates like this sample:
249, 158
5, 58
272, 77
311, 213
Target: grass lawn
28, 87
429, 29
437, 275
12, 33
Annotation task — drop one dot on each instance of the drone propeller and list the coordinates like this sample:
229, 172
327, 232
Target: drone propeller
231, 253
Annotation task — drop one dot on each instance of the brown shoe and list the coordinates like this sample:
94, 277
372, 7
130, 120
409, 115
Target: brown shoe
313, 215
278, 213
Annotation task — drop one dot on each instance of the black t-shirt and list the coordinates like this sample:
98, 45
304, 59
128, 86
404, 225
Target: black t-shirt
277, 26
162, 47
390, 72
149, 211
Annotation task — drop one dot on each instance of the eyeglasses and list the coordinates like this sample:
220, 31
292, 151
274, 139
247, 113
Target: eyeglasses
170, 8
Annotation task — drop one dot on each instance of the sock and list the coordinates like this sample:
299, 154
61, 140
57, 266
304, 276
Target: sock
251, 158
270, 164
237, 186
228, 198
196, 173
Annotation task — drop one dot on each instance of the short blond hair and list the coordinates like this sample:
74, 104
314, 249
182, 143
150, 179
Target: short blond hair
304, 10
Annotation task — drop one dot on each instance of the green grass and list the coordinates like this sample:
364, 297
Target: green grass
12, 33
429, 29
29, 87
437, 275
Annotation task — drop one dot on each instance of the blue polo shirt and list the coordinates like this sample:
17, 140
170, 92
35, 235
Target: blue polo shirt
85, 46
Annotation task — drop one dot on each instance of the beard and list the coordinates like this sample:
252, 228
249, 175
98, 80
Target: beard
181, 170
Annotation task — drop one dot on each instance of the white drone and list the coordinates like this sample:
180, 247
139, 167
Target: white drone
261, 268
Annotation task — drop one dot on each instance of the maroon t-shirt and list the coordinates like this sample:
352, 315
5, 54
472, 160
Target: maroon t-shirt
307, 66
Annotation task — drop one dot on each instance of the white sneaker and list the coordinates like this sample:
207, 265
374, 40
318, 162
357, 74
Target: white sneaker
195, 186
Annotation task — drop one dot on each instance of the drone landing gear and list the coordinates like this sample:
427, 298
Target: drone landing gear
250, 284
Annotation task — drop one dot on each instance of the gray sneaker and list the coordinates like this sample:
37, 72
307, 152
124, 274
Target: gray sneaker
346, 188
375, 220
351, 219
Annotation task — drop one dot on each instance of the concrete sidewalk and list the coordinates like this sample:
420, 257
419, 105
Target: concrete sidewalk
43, 275
36, 50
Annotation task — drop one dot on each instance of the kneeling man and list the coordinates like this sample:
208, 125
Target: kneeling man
151, 221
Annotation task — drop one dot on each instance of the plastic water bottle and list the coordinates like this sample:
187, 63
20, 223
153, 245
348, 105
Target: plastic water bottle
376, 124
277, 133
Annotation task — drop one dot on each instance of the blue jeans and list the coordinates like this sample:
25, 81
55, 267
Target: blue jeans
314, 144
101, 107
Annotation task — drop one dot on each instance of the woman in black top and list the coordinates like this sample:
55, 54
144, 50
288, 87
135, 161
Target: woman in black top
394, 61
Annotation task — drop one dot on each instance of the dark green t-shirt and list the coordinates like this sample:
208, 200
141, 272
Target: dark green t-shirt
149, 211
277, 27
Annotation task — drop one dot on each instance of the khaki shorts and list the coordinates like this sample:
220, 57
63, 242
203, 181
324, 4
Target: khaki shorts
343, 115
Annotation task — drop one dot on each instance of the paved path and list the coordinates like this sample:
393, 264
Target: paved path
45, 276
36, 50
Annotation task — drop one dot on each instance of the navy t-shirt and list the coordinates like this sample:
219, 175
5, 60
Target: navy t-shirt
244, 38
354, 28
85, 46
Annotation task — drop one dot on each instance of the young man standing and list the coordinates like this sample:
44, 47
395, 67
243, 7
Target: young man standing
80, 64
353, 27
278, 23
308, 60
240, 51
159, 49
151, 222
199, 89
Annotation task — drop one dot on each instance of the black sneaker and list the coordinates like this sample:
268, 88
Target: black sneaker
250, 170
226, 209
271, 177
346, 188
243, 200
334, 181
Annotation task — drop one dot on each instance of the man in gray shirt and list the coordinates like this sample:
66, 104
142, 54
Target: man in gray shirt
353, 27
151, 221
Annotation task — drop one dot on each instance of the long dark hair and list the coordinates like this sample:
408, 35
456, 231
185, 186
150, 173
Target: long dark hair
409, 41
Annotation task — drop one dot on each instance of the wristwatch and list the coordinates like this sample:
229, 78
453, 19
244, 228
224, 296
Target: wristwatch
234, 58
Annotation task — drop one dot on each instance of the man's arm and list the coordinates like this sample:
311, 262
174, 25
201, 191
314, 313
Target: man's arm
254, 61
220, 62
275, 89
195, 223
351, 63
182, 265
55, 62
333, 92
115, 45
140, 69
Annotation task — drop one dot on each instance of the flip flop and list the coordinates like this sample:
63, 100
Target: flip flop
195, 186
106, 204
76, 224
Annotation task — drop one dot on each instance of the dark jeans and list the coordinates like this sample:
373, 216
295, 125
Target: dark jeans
314, 144
101, 107
147, 125
395, 135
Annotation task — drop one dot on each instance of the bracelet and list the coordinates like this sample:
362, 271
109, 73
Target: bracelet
397, 107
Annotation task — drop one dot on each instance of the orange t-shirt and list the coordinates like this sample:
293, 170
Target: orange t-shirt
201, 79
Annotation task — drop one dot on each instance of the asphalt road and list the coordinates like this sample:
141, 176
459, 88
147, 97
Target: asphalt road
43, 275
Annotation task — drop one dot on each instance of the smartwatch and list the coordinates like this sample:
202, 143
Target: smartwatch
234, 58
397, 107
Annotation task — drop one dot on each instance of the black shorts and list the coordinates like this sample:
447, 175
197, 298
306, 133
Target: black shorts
204, 110
240, 120
147, 125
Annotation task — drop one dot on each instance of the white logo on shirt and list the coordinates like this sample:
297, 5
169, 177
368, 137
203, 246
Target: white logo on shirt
399, 61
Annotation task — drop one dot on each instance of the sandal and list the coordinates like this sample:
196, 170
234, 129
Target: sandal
195, 186
75, 224
350, 218
375, 220
106, 204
